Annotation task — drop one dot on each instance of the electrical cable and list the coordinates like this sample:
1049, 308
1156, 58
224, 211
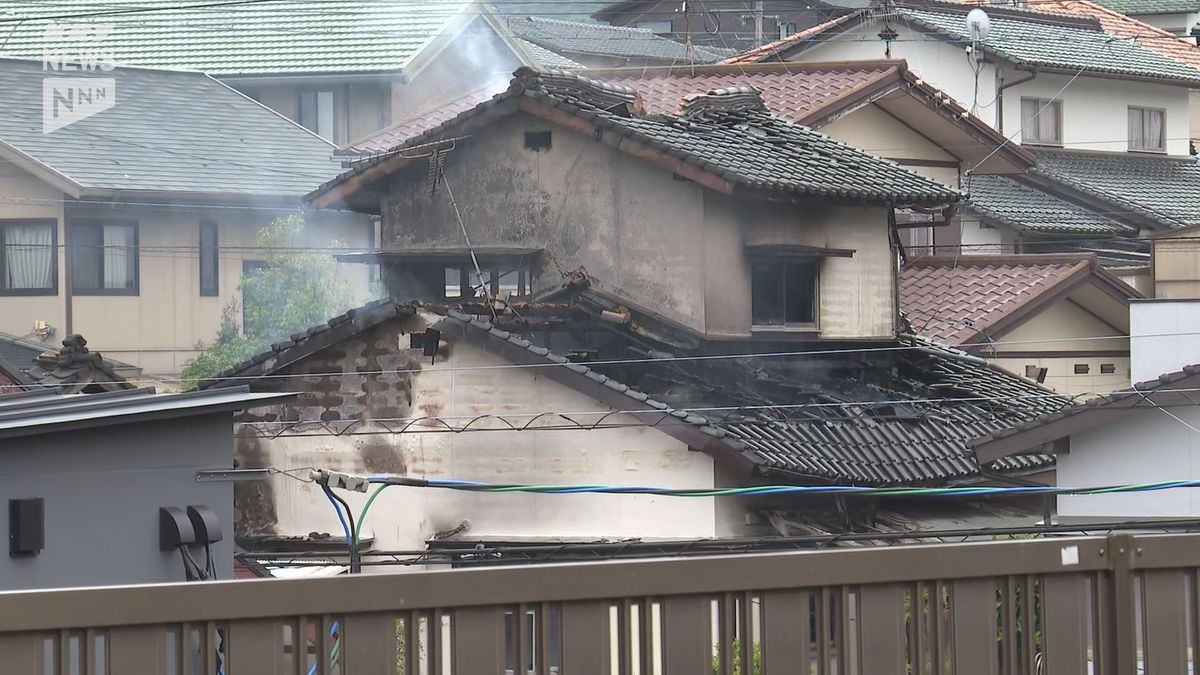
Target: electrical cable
765, 490
352, 537
337, 509
362, 516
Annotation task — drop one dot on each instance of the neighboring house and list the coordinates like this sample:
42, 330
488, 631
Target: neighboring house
1046, 317
1142, 434
86, 476
876, 106
546, 394
563, 172
341, 68
724, 23
1178, 17
597, 45
132, 226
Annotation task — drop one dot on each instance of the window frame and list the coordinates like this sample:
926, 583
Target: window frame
29, 292
76, 224
1040, 103
339, 128
800, 326
493, 270
1144, 109
214, 290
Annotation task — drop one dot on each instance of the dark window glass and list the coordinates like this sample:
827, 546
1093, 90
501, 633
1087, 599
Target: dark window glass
317, 113
783, 292
1041, 121
104, 257
1082, 369
210, 264
27, 258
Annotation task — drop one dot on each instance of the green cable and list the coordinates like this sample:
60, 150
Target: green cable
362, 516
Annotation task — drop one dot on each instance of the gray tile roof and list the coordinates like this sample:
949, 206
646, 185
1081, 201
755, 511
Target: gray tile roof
66, 369
595, 39
1139, 7
1029, 38
168, 131
727, 132
546, 59
284, 37
1023, 206
1164, 189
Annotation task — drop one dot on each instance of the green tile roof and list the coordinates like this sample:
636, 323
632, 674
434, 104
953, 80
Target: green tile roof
1136, 7
168, 131
289, 37
1025, 207
577, 37
1164, 189
1070, 45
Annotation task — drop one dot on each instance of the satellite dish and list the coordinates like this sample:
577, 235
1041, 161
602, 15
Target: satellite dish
978, 24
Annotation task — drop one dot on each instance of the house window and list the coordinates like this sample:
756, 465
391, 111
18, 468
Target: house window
786, 29
1082, 369
1108, 368
317, 113
210, 263
104, 257
1147, 129
784, 292
1041, 121
537, 141
28, 264
503, 281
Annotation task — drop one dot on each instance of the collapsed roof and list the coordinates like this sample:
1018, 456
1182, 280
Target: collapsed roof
896, 413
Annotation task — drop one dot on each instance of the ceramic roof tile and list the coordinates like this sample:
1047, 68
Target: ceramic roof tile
1024, 206
168, 131
544, 58
728, 133
417, 124
1153, 6
1165, 189
577, 37
281, 37
1116, 23
952, 300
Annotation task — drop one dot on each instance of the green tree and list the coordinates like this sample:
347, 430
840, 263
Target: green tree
290, 293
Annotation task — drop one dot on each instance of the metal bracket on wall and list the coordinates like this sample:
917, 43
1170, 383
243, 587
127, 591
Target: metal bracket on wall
232, 475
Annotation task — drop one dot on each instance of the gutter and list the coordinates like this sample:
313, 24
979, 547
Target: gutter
1000, 98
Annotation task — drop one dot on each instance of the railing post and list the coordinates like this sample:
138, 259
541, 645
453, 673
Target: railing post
1122, 621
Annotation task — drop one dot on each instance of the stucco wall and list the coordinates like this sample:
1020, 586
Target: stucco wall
102, 491
940, 63
663, 243
1096, 110
1179, 23
157, 329
456, 389
873, 130
1144, 446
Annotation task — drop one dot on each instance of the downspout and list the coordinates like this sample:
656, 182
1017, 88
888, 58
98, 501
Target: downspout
1000, 98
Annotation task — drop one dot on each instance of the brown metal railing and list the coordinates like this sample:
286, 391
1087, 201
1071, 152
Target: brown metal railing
1112, 605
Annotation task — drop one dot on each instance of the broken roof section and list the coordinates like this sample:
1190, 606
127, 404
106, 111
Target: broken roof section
69, 370
281, 37
576, 38
900, 413
725, 139
968, 300
1050, 42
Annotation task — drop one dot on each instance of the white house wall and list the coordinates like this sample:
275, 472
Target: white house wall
457, 389
1145, 446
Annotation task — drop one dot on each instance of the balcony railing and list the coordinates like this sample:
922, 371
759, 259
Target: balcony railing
1112, 605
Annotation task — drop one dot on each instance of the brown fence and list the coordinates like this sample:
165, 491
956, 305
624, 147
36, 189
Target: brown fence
1116, 605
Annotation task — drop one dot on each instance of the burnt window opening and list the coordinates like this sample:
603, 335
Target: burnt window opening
502, 281
1082, 369
1108, 368
784, 292
1036, 373
537, 141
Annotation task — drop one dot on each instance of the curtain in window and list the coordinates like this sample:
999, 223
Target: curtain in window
29, 256
118, 255
1029, 129
1154, 130
1137, 139
1048, 121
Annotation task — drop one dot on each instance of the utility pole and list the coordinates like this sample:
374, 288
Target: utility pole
758, 22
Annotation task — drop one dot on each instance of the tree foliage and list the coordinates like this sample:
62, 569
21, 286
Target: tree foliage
290, 293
